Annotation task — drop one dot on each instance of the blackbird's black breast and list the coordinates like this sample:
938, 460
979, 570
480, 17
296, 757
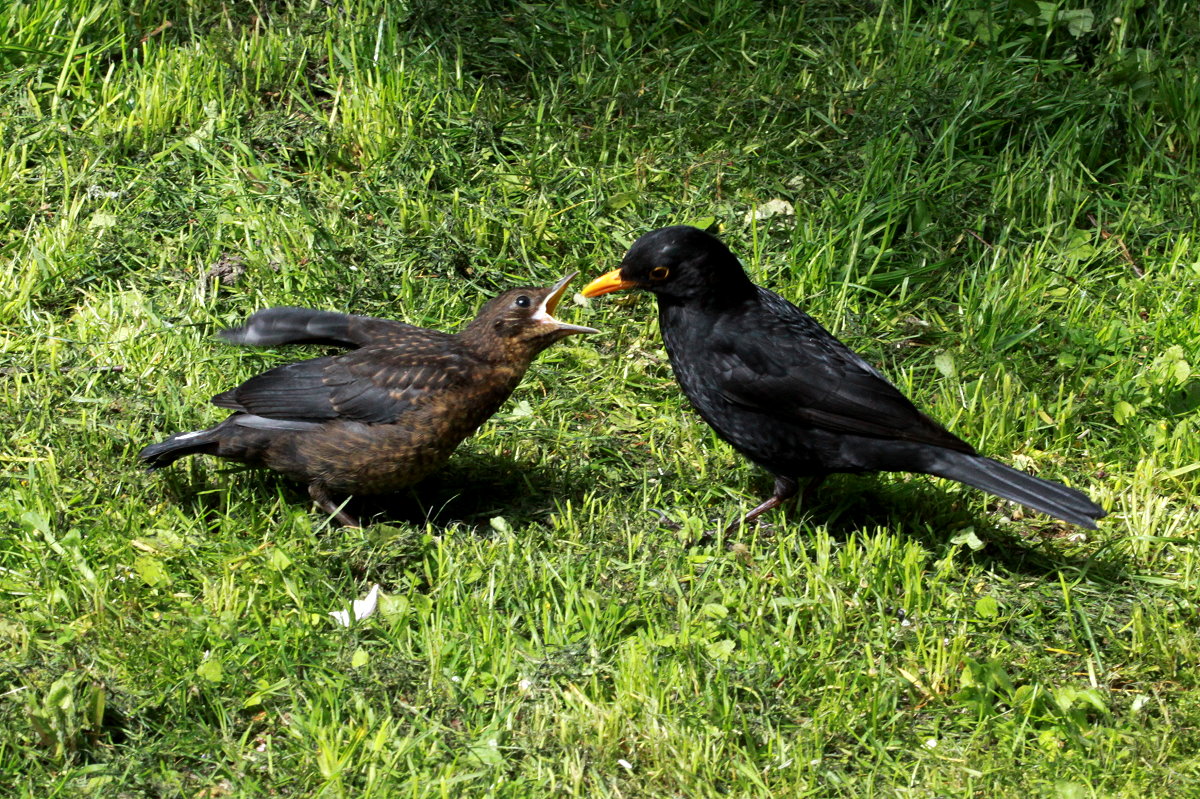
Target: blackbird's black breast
700, 347
785, 393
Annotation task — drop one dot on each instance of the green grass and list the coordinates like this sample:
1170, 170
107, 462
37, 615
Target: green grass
995, 202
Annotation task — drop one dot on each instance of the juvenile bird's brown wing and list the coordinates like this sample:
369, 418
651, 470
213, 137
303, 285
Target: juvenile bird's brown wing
373, 385
273, 326
792, 369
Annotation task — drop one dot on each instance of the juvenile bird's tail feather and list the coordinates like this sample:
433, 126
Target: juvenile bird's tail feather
272, 326
164, 453
1051, 498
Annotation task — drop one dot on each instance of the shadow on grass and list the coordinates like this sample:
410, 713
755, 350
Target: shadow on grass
848, 504
471, 490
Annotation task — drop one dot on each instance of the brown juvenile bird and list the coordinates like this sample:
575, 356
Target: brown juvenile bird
382, 416
788, 395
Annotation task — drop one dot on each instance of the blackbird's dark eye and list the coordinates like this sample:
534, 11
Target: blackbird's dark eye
522, 301
659, 273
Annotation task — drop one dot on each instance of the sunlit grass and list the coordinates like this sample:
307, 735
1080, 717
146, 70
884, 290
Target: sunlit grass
994, 203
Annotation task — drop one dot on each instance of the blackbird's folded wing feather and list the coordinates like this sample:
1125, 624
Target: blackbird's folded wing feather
795, 371
378, 385
274, 326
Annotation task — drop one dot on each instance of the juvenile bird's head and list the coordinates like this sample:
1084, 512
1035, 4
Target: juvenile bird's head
680, 264
521, 321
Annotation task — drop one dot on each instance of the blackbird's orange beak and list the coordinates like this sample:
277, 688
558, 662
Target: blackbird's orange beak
607, 283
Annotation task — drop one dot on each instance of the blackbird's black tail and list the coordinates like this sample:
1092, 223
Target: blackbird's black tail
1051, 498
164, 453
273, 326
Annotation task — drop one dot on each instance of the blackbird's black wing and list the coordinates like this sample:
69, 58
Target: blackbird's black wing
782, 363
273, 326
373, 385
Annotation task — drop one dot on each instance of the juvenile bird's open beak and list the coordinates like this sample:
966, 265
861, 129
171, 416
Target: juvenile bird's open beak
545, 311
607, 283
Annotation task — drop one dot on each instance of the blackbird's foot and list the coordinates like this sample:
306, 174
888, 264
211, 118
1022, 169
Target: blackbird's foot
711, 535
666, 521
321, 497
785, 489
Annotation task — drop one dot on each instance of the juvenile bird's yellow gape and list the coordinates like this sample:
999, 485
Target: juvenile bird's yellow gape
788, 395
382, 416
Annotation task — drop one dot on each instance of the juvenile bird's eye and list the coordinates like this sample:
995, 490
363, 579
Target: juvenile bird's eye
659, 273
522, 301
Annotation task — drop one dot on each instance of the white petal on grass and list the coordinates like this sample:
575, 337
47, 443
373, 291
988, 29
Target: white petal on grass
363, 608
625, 764
769, 209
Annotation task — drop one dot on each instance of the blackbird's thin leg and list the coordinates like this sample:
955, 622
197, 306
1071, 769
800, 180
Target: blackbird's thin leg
785, 489
321, 497
813, 484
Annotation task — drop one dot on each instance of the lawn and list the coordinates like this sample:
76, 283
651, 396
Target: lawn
994, 202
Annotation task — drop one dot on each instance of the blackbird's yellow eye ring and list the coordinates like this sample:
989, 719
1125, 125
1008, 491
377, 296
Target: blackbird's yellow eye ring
659, 273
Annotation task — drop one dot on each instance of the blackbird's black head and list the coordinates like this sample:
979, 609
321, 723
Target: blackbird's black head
522, 319
678, 263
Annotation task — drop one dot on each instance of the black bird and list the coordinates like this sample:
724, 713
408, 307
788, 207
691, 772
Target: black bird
382, 416
788, 395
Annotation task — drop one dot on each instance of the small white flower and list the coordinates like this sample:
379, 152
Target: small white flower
931, 743
525, 684
363, 608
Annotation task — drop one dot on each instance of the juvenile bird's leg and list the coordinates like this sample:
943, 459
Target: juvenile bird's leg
321, 497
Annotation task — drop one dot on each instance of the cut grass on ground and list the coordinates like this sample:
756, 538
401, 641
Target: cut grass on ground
994, 202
